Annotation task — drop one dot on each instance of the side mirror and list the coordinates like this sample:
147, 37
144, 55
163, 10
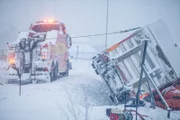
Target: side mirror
69, 41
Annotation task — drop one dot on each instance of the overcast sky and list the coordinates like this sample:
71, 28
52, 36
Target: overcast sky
84, 17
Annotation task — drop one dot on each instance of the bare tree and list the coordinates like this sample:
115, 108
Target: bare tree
85, 102
71, 107
67, 117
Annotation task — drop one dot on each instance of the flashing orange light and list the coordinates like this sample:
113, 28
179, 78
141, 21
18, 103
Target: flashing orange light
50, 21
11, 61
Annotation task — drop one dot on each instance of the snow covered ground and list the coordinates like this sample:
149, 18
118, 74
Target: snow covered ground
77, 97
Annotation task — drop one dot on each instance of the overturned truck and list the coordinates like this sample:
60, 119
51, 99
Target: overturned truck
119, 66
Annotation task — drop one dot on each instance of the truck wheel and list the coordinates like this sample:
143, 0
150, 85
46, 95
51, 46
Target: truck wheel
70, 65
55, 71
66, 73
97, 72
67, 70
93, 65
51, 76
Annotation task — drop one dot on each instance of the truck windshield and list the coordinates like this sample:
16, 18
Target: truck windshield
45, 27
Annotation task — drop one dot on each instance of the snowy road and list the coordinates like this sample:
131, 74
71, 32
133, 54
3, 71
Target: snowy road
49, 101
82, 94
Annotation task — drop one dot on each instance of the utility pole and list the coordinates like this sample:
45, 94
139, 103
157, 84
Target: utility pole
107, 15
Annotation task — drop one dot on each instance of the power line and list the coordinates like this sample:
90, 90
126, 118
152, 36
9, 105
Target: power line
110, 33
101, 34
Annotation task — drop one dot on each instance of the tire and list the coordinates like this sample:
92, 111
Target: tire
70, 65
94, 57
67, 69
97, 72
56, 70
51, 76
93, 65
66, 73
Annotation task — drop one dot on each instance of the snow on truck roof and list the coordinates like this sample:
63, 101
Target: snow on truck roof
46, 25
47, 21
